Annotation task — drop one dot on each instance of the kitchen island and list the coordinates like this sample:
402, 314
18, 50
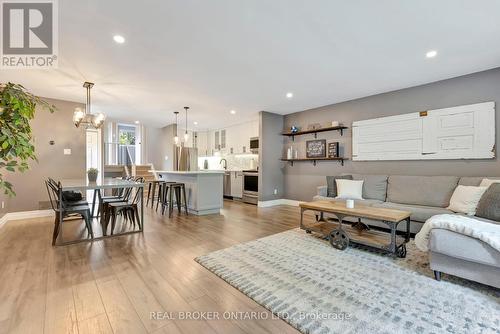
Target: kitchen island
204, 189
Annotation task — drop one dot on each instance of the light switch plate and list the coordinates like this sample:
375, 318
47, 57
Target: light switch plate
67, 151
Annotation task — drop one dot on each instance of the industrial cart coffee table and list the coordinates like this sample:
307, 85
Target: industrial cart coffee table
340, 233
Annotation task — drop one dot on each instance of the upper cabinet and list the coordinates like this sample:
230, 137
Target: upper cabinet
231, 140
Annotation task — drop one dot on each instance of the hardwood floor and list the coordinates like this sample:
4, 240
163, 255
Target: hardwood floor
113, 285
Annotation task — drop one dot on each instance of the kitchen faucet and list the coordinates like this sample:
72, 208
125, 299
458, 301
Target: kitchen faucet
225, 163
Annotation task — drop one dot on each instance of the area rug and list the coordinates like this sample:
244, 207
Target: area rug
318, 289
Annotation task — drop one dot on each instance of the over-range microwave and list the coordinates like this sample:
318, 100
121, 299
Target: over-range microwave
254, 145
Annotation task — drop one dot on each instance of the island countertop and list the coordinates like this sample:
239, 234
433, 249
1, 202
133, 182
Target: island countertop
204, 188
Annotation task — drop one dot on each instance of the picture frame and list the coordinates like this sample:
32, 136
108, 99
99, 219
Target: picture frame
333, 149
316, 148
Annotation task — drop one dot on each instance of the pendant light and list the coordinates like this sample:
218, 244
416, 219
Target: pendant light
176, 137
186, 135
85, 118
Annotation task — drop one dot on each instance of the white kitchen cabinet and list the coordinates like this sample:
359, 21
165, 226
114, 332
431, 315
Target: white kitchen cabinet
237, 184
203, 143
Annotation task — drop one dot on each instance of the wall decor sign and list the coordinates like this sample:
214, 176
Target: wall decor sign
316, 148
333, 150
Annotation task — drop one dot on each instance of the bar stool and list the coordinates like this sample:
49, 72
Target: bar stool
152, 184
179, 189
163, 195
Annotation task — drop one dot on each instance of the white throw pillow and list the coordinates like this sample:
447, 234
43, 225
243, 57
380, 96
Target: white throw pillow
465, 199
349, 189
488, 182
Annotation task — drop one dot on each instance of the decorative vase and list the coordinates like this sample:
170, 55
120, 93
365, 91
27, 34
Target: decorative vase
92, 176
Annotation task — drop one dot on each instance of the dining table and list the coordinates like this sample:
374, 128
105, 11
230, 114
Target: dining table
99, 187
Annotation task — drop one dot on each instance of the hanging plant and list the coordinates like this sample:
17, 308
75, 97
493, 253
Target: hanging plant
17, 109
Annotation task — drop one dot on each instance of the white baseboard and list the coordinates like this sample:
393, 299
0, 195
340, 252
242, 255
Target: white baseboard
25, 215
281, 201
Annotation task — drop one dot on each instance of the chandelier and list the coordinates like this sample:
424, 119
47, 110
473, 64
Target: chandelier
85, 118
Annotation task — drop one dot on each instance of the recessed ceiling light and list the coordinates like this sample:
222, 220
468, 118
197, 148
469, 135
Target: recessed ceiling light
119, 39
233, 112
431, 54
136, 122
195, 123
289, 95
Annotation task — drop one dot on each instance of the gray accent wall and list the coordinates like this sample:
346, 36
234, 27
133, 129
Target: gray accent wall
29, 186
301, 180
270, 151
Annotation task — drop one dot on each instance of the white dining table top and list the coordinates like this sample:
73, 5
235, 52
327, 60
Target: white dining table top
106, 183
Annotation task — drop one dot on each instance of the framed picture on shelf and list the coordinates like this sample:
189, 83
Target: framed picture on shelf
333, 150
316, 148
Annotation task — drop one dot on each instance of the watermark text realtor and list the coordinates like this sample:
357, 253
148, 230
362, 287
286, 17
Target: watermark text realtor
29, 34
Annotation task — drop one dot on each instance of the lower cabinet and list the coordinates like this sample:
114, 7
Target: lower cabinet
237, 184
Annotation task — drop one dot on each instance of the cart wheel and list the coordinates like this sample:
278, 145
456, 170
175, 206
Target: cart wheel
401, 251
308, 231
338, 239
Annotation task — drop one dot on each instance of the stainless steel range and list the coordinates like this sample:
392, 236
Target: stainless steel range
250, 186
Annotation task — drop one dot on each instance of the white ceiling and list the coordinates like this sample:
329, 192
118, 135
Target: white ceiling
219, 55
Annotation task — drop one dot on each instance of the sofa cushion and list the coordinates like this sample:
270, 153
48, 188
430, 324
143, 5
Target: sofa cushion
374, 187
419, 213
489, 205
421, 190
463, 247
331, 185
356, 201
474, 180
465, 199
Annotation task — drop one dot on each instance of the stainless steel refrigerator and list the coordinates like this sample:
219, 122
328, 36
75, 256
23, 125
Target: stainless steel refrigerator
186, 159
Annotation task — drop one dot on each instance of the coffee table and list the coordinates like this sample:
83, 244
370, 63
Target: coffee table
341, 233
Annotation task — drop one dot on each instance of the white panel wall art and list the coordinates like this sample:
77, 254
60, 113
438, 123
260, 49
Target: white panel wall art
463, 132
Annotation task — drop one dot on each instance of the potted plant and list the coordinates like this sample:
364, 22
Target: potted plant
92, 174
17, 109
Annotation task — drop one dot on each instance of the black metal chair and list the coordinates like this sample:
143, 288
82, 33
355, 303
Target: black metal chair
61, 207
128, 209
122, 194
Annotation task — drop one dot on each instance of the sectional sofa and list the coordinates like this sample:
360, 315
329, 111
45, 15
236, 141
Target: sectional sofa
424, 197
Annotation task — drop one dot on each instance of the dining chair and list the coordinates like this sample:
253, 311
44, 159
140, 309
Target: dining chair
61, 207
128, 209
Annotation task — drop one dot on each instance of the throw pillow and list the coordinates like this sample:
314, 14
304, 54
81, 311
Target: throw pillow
489, 205
331, 190
488, 182
465, 199
349, 189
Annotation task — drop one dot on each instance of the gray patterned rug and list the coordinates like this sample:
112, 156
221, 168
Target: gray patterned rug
318, 289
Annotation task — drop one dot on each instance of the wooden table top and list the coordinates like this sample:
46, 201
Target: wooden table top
360, 210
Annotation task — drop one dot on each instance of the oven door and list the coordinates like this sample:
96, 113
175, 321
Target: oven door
250, 188
251, 182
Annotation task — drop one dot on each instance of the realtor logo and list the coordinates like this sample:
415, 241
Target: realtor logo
29, 34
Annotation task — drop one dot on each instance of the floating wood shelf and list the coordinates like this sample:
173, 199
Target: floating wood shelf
315, 131
313, 160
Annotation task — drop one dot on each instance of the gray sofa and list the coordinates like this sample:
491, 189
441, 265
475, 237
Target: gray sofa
424, 197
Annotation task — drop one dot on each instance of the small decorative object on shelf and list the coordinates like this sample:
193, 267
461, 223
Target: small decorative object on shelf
314, 126
294, 129
334, 124
316, 148
349, 203
333, 150
289, 153
92, 174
